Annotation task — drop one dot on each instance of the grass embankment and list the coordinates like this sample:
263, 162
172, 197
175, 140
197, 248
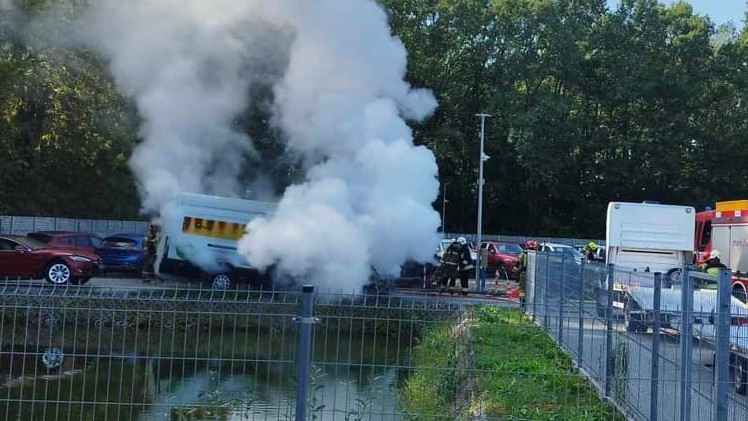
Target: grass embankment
516, 372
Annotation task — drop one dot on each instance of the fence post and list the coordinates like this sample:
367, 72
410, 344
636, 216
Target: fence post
722, 351
609, 356
535, 285
305, 345
561, 303
545, 290
686, 343
580, 333
654, 392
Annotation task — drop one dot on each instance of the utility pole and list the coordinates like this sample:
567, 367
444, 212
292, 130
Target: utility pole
444, 209
483, 157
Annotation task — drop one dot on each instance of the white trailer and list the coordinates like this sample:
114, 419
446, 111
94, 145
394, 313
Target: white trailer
200, 235
643, 239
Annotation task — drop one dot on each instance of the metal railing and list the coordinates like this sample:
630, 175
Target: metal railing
114, 351
657, 346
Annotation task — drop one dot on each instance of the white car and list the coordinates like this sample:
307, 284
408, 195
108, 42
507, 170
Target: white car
562, 250
444, 244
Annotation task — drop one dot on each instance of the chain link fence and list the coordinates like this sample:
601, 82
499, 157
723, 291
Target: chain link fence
657, 346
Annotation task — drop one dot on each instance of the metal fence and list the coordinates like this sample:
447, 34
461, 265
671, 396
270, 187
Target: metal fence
659, 347
22, 225
166, 353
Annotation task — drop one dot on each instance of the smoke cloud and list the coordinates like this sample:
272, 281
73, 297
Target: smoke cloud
189, 65
367, 200
340, 99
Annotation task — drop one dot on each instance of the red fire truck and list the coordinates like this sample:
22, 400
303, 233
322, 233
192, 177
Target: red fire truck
726, 229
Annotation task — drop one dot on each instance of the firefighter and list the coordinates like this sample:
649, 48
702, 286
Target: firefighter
521, 267
713, 264
150, 246
450, 261
590, 251
466, 265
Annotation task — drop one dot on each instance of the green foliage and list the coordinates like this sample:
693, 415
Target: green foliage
589, 105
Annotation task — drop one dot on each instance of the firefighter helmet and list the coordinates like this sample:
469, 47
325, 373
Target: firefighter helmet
462, 240
714, 254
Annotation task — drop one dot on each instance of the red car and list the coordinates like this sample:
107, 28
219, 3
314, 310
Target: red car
78, 241
502, 255
24, 257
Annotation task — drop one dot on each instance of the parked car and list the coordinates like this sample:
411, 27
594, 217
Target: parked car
122, 252
25, 257
502, 255
444, 244
78, 241
564, 250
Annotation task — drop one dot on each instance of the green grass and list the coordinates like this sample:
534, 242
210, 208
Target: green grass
517, 373
430, 389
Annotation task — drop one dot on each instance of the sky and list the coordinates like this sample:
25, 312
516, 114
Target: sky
720, 11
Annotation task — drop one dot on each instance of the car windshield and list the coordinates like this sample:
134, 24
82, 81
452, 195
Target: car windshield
569, 251
40, 237
31, 243
510, 248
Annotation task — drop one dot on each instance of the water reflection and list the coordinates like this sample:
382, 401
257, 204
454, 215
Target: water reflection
344, 386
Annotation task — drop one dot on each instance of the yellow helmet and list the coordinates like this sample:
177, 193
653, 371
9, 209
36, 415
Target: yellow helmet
592, 245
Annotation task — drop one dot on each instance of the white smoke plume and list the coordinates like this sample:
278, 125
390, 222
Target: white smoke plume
189, 66
368, 199
7, 6
342, 102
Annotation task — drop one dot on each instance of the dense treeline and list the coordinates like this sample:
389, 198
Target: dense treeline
644, 102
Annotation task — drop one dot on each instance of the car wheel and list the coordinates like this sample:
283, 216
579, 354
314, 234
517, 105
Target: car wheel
221, 281
57, 273
673, 276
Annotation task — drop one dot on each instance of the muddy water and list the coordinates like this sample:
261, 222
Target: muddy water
353, 378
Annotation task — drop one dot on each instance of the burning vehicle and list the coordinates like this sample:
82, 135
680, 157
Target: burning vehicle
200, 239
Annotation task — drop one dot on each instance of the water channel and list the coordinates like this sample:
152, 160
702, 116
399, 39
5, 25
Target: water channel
240, 375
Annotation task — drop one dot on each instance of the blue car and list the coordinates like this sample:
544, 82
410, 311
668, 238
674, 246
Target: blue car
122, 252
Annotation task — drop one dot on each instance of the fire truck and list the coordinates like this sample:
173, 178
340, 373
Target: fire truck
726, 229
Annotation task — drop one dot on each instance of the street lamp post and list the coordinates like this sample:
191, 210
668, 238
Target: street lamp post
482, 158
444, 209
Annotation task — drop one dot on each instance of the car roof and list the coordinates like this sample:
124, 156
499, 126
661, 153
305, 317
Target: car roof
556, 245
125, 235
62, 233
12, 236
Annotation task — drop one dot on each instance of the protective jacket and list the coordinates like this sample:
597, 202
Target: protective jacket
466, 260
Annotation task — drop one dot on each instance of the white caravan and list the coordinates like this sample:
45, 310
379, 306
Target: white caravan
200, 235
642, 239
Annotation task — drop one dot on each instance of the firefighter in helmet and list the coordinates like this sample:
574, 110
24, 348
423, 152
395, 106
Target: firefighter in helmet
521, 268
590, 251
150, 246
450, 261
713, 264
466, 265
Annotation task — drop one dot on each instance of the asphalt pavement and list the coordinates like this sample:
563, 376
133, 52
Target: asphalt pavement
632, 383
